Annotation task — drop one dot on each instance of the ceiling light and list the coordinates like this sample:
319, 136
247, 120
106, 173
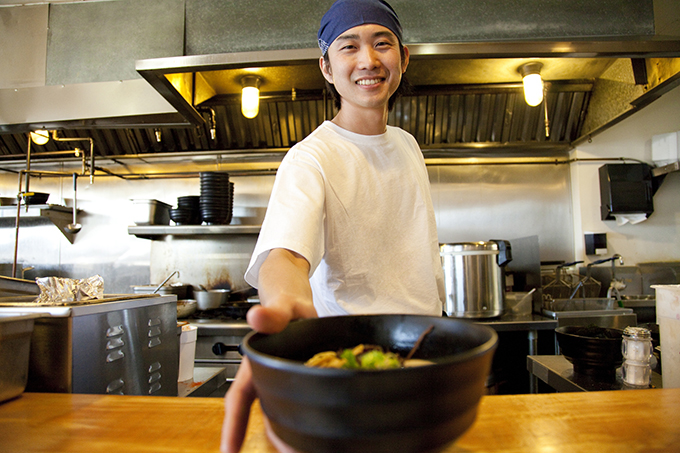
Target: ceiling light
250, 96
533, 83
40, 137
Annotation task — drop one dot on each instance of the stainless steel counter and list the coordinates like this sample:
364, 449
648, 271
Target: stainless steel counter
122, 344
110, 302
558, 373
510, 322
207, 381
529, 323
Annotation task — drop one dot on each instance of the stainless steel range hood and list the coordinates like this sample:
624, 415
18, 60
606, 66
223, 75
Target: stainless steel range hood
465, 95
466, 100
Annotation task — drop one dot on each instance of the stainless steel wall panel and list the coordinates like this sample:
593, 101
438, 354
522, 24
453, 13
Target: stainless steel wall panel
23, 34
482, 202
211, 261
476, 202
215, 26
100, 41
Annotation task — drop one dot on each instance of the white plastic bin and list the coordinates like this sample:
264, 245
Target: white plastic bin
187, 352
668, 318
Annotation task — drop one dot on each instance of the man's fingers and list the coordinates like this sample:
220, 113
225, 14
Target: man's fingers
237, 403
268, 319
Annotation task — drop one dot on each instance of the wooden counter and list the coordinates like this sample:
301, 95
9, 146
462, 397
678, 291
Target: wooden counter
613, 421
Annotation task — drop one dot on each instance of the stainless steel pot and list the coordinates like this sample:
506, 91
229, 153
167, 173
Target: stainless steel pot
474, 278
211, 299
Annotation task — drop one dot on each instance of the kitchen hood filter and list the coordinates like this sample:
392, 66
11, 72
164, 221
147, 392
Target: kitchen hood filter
625, 190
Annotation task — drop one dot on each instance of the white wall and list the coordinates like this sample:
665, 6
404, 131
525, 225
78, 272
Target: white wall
658, 237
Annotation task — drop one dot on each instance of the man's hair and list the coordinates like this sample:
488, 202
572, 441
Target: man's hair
403, 88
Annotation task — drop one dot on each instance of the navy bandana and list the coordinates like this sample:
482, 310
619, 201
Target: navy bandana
346, 14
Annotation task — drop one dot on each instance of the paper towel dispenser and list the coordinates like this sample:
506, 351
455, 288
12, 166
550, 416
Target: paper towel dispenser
626, 189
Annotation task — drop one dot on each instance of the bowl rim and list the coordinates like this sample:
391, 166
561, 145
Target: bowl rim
563, 331
283, 364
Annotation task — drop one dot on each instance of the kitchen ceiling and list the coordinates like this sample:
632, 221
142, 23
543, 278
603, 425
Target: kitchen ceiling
466, 99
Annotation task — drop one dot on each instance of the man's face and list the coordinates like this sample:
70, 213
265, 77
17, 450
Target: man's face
365, 66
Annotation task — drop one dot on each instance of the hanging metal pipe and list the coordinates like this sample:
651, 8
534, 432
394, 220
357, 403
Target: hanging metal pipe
55, 137
16, 225
545, 106
18, 216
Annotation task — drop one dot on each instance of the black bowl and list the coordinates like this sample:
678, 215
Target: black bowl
184, 216
408, 410
33, 198
188, 201
594, 351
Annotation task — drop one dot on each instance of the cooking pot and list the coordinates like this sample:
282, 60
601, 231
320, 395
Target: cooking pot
211, 299
474, 278
186, 308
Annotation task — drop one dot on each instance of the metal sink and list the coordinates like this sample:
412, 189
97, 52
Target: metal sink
603, 312
581, 304
642, 300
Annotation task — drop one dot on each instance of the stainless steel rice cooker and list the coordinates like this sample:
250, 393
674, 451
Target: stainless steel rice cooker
474, 278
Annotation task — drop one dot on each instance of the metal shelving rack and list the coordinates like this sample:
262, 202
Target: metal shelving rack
154, 231
60, 216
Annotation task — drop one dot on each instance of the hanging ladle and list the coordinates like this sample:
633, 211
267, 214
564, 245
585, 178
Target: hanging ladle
74, 227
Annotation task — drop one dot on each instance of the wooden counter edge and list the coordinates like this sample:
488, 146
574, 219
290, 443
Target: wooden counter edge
626, 420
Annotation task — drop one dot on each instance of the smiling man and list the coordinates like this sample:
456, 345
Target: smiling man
350, 227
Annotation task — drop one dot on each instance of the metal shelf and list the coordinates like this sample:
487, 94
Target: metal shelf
60, 216
675, 166
151, 231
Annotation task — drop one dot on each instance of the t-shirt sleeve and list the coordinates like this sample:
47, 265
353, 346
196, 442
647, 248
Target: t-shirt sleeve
295, 214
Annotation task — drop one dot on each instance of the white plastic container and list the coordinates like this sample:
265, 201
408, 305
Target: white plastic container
187, 352
668, 318
666, 148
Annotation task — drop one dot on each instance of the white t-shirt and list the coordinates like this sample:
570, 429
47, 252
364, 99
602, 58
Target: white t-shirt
358, 208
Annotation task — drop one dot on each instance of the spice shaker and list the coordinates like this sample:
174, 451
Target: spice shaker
636, 348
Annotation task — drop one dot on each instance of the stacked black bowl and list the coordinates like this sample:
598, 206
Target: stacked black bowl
216, 202
187, 211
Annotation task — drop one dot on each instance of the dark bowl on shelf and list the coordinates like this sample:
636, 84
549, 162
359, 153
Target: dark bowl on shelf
409, 410
183, 216
35, 197
594, 351
188, 201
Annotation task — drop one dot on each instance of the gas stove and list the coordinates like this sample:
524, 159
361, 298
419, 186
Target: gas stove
233, 312
220, 332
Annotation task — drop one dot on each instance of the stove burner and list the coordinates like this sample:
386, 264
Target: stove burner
232, 311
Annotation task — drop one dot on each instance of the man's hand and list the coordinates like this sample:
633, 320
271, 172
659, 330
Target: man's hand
237, 404
285, 295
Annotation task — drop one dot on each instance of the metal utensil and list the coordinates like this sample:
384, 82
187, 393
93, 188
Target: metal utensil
74, 227
164, 282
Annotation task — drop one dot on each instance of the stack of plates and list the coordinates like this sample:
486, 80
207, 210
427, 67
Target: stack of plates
216, 202
187, 211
